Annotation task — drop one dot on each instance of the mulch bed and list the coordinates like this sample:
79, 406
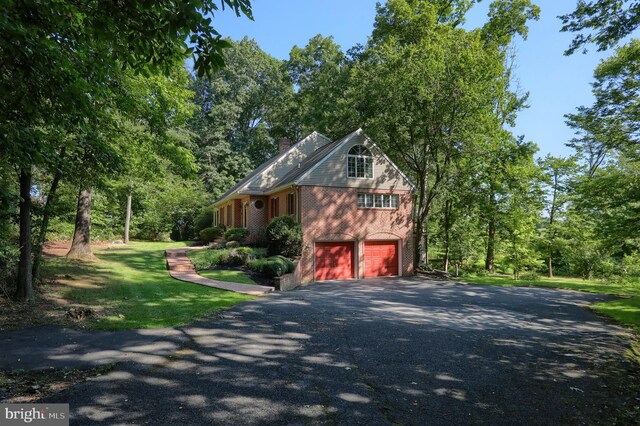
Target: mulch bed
48, 308
44, 310
19, 386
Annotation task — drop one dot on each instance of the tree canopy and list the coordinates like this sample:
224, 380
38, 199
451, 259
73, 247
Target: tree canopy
601, 22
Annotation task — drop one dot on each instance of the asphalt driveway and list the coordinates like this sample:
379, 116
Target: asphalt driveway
387, 351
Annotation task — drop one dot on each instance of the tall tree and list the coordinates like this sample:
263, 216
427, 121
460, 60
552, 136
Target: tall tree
558, 172
57, 57
612, 123
320, 74
427, 90
608, 20
137, 133
607, 140
521, 204
239, 114
81, 242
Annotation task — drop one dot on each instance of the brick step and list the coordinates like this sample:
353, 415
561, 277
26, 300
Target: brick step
181, 268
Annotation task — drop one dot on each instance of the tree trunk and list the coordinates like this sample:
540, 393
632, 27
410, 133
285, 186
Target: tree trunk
418, 229
418, 252
81, 244
447, 227
425, 225
426, 242
42, 236
446, 258
550, 273
127, 220
25, 277
491, 243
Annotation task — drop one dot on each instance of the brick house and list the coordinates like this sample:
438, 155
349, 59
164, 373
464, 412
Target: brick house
354, 205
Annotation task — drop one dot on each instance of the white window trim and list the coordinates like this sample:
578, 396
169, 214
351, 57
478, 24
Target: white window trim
373, 197
245, 215
365, 158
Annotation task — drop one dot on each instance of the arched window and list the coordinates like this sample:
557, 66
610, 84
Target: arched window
359, 163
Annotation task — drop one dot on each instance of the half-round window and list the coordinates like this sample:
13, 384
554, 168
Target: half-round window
359, 162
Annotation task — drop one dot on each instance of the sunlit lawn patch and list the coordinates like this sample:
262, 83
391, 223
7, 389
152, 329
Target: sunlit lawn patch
232, 276
130, 287
626, 310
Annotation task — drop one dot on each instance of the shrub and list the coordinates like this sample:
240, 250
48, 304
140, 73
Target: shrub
236, 234
288, 265
630, 265
9, 256
237, 257
257, 265
210, 234
259, 252
232, 244
210, 258
530, 276
274, 266
284, 237
203, 220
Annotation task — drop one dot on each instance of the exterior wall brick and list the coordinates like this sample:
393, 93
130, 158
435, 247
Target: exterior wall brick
332, 214
258, 219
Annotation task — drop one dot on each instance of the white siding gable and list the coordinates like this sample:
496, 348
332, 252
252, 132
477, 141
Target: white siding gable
333, 170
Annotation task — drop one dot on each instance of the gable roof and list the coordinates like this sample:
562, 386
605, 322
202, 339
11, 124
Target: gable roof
250, 176
255, 174
298, 171
314, 159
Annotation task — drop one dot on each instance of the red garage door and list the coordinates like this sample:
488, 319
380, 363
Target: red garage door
380, 258
334, 261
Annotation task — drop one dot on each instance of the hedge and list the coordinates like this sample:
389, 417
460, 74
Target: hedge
271, 267
236, 234
208, 235
284, 237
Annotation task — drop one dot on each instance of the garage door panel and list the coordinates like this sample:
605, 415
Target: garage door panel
334, 261
380, 258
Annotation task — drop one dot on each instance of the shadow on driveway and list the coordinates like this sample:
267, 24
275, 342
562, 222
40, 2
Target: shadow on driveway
383, 351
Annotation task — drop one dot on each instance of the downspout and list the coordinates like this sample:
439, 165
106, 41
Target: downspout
296, 191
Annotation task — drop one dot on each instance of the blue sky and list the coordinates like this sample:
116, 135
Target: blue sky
557, 84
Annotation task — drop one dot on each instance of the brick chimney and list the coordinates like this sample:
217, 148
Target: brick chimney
284, 144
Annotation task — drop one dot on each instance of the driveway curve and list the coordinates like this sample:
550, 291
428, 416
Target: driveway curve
384, 351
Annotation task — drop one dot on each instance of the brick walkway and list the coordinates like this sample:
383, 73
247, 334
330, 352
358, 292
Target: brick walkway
181, 268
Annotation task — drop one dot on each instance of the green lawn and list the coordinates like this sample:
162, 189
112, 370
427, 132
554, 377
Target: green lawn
232, 276
131, 286
626, 310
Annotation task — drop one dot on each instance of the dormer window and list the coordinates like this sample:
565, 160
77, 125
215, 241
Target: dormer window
359, 163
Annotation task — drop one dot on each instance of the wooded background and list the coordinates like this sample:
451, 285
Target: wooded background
99, 111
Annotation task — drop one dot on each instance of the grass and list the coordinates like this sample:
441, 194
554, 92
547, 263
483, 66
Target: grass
129, 287
232, 276
591, 286
626, 311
